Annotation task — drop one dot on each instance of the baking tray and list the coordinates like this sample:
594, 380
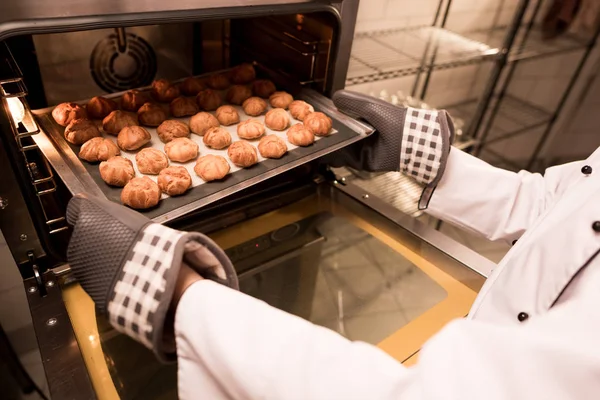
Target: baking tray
81, 176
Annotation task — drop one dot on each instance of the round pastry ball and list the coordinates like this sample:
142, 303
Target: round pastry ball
133, 137
64, 113
181, 150
117, 120
151, 161
202, 122
98, 149
299, 135
272, 146
211, 167
263, 88
183, 107
244, 73
99, 107
254, 106
151, 114
117, 171
174, 180
318, 123
171, 129
140, 193
164, 91
242, 154
251, 129
300, 109
218, 81
217, 138
277, 119
227, 115
237, 94
81, 130
281, 100
191, 86
209, 100
132, 100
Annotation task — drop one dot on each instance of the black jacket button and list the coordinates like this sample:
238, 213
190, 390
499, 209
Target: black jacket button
522, 316
586, 170
596, 226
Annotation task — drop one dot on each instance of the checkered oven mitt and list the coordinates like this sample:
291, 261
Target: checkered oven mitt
413, 141
129, 266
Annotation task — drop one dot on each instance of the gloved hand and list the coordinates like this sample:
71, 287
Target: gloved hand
129, 267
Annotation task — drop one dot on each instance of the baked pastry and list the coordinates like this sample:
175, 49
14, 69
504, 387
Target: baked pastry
242, 154
263, 88
151, 114
117, 120
209, 100
140, 193
237, 94
272, 146
243, 73
98, 149
133, 137
217, 138
277, 119
174, 180
64, 113
81, 130
299, 135
133, 100
251, 129
171, 129
181, 150
254, 106
191, 86
151, 161
164, 91
227, 115
183, 107
117, 171
218, 81
99, 107
300, 109
202, 122
211, 167
281, 100
318, 123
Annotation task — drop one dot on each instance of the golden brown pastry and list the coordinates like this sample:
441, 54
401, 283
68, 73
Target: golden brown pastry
272, 146
227, 115
243, 73
254, 106
211, 167
202, 122
300, 109
81, 130
277, 119
133, 100
151, 161
242, 154
164, 91
151, 114
64, 113
217, 138
263, 88
218, 81
140, 193
117, 171
191, 86
171, 129
133, 137
181, 150
299, 135
183, 107
318, 123
281, 100
99, 107
251, 129
209, 100
98, 149
117, 120
237, 94
174, 180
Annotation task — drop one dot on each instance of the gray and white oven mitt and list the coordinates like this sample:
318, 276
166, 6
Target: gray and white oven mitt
129, 266
413, 141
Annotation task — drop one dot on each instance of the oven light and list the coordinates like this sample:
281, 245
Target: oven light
16, 109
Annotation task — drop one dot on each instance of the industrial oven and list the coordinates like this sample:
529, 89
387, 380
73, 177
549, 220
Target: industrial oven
302, 237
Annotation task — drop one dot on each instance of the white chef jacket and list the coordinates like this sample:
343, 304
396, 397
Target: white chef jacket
533, 332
